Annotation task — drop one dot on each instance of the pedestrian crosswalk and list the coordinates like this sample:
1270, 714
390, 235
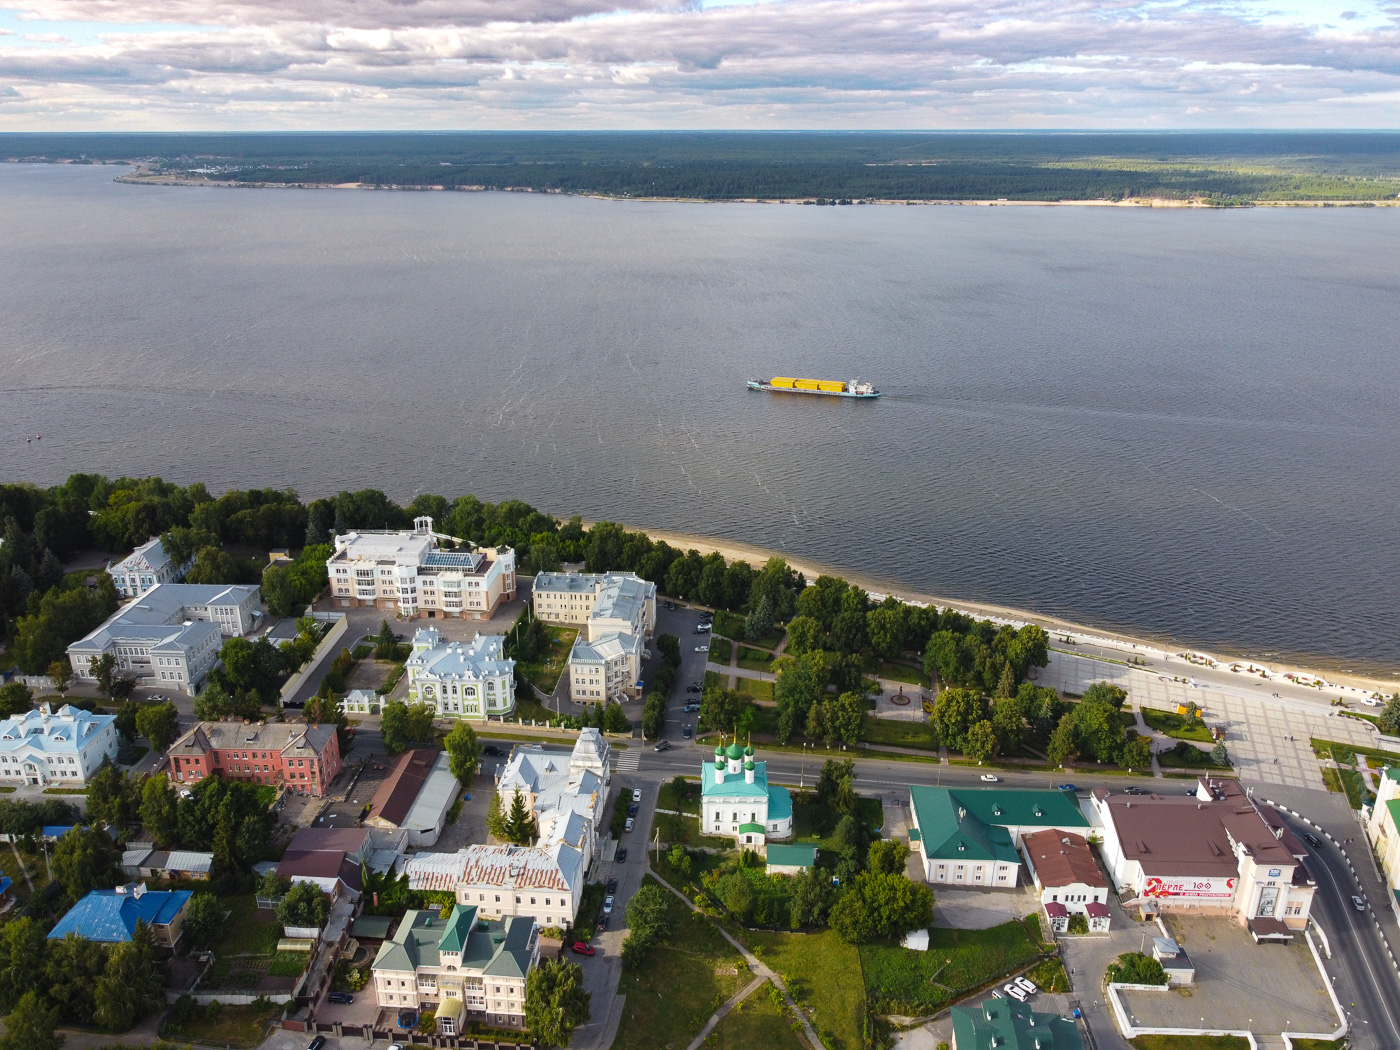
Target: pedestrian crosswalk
628, 761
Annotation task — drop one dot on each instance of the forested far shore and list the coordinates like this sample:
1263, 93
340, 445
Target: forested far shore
1220, 168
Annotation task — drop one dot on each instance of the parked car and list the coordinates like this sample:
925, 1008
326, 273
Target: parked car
1068, 787
1027, 985
602, 923
492, 749
632, 810
394, 1046
1358, 903
621, 857
607, 904
702, 648
612, 885
691, 707
316, 1043
705, 627
340, 998
1312, 840
685, 732
1140, 791
663, 745
1370, 701
636, 794
584, 949
989, 778
1014, 992
629, 825
694, 689
669, 605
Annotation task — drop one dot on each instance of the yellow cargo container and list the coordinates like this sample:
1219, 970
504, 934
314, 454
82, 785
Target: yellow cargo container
807, 384
827, 384
782, 381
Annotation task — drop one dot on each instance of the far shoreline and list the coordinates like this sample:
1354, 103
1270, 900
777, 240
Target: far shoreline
1300, 663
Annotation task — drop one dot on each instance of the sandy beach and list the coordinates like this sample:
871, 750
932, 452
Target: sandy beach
1345, 683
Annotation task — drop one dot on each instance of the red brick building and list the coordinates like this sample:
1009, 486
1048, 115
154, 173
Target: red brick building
304, 759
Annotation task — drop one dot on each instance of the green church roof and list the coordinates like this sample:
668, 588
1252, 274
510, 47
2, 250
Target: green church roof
971, 823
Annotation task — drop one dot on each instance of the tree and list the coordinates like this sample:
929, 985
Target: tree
812, 895
648, 920
495, 817
158, 723
881, 905
1107, 693
1136, 753
555, 1002
112, 796
462, 752
723, 709
982, 743
61, 674
804, 634
1136, 968
1389, 718
30, 1026
1098, 729
216, 704
384, 642
403, 725
679, 859
519, 825
847, 717
835, 778
759, 623
71, 972
1009, 720
887, 856
84, 860
131, 986
304, 905
735, 892
104, 669
1220, 754
23, 948
799, 685
955, 712
159, 810
1062, 749
204, 920
654, 715
614, 719
15, 699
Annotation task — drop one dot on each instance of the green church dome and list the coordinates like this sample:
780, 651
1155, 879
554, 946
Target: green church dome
735, 751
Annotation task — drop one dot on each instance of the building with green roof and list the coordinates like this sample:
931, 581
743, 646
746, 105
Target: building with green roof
1383, 827
970, 836
1004, 1024
463, 968
736, 798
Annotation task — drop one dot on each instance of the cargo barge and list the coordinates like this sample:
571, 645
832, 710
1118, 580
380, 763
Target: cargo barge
826, 387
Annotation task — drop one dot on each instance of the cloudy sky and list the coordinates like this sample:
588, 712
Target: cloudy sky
340, 64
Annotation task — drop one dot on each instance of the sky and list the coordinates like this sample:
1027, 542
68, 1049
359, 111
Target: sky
187, 65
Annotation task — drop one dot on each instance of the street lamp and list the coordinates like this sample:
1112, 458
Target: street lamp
802, 777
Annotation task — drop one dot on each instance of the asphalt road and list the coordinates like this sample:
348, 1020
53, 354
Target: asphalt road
1363, 975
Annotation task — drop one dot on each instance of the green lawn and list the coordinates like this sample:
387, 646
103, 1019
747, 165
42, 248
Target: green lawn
809, 819
893, 733
720, 650
531, 709
1174, 725
756, 690
244, 932
666, 799
241, 1026
755, 659
716, 680
1188, 756
1333, 780
757, 1023
589, 906
902, 981
1319, 1044
1357, 793
823, 972
894, 671
1050, 976
731, 625
1350, 751
681, 983
687, 830
545, 670
1193, 1042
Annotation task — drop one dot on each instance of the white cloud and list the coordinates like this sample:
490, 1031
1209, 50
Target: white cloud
655, 63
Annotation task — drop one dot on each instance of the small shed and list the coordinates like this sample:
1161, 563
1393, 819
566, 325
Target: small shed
1099, 917
790, 859
1178, 965
1058, 916
372, 929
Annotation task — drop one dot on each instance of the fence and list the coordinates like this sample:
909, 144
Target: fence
333, 636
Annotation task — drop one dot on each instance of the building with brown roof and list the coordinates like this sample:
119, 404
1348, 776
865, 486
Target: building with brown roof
415, 796
1214, 852
302, 758
1065, 872
328, 858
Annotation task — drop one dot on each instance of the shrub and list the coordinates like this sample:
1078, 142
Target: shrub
1135, 968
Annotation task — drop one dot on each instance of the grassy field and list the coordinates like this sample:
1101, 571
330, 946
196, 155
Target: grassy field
891, 733
666, 799
957, 961
757, 1023
893, 671
242, 1026
731, 625
1346, 753
248, 948
759, 692
682, 982
1174, 725
755, 659
1050, 976
1333, 780
545, 670
720, 650
823, 973
1192, 1042
1319, 1044
716, 680
1187, 756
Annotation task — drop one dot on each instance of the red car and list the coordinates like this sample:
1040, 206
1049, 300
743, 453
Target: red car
583, 948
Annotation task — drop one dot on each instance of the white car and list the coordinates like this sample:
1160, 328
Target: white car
702, 648
1370, 701
989, 778
636, 794
705, 627
607, 904
629, 825
1014, 992
1027, 985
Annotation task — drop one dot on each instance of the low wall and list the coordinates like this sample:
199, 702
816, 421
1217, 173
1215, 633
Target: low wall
227, 998
332, 638
1131, 1031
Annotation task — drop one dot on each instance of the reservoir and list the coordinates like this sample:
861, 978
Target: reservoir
1178, 422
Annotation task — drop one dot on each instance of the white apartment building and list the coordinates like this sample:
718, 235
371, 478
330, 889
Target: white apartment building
172, 634
463, 968
146, 567
409, 573
63, 747
538, 882
461, 679
617, 614
567, 794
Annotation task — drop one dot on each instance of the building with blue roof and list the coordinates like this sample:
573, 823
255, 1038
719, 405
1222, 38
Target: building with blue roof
736, 798
62, 747
110, 916
461, 679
